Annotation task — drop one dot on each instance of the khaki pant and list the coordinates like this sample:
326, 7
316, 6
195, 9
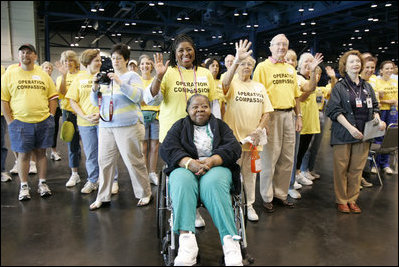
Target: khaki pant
349, 160
248, 176
277, 156
128, 142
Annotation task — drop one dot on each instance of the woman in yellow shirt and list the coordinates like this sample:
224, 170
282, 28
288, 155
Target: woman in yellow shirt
213, 66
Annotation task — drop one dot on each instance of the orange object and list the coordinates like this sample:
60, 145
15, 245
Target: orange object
255, 160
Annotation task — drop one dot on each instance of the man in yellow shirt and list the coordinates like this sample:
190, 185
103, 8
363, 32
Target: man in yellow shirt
280, 81
29, 101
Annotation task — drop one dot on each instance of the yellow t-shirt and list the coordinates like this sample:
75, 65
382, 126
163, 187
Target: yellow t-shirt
328, 91
390, 89
13, 66
146, 83
310, 111
173, 88
321, 95
246, 103
280, 81
64, 101
28, 93
79, 91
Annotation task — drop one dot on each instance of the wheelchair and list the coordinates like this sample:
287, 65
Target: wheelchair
164, 215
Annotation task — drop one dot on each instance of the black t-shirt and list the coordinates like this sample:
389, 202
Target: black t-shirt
360, 113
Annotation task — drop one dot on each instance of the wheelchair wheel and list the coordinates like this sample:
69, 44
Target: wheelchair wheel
161, 209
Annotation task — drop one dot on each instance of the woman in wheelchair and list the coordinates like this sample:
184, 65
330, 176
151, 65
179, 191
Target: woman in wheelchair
201, 153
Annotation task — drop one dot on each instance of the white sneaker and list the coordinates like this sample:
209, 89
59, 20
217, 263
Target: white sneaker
294, 194
199, 221
315, 174
14, 169
374, 170
153, 178
44, 190
388, 170
24, 193
302, 179
73, 180
55, 156
232, 251
252, 216
188, 250
308, 176
5, 177
115, 188
32, 167
89, 187
297, 185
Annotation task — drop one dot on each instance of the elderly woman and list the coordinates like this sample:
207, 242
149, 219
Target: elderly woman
351, 105
201, 152
247, 114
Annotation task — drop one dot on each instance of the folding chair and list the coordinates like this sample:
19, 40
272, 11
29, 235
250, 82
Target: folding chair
388, 146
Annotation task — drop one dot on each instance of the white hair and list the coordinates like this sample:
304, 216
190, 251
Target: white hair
302, 59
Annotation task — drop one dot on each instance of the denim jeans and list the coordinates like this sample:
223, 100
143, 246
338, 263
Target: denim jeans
4, 150
74, 149
89, 135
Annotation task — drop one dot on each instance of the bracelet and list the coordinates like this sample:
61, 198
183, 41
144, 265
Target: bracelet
299, 115
188, 162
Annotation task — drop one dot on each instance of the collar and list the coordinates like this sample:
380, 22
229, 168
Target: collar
276, 61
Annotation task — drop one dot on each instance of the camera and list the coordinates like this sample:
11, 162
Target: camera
103, 78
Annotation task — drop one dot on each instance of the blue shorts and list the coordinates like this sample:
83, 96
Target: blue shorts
25, 137
151, 130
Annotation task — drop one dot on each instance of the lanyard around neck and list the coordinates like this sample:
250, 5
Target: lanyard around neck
111, 103
184, 87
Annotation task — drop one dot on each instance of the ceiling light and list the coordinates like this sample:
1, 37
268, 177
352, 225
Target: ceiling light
370, 19
76, 44
393, 42
118, 34
93, 10
359, 37
374, 5
202, 30
313, 33
305, 42
133, 23
195, 30
352, 38
127, 24
236, 13
83, 26
304, 33
160, 3
311, 9
89, 26
76, 37
388, 4
313, 23
154, 32
72, 44
220, 36
356, 30
101, 9
349, 44
303, 23
375, 20
366, 30
213, 37
151, 4
301, 10
179, 18
248, 26
245, 13
344, 45
81, 37
186, 17
256, 25
159, 31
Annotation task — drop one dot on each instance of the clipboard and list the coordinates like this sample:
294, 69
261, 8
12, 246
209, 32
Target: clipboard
371, 130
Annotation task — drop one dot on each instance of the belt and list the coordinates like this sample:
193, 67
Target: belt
286, 109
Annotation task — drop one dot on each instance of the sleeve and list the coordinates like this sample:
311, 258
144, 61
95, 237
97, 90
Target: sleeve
5, 90
51, 92
334, 107
152, 100
258, 75
267, 105
297, 88
213, 93
133, 89
171, 149
229, 149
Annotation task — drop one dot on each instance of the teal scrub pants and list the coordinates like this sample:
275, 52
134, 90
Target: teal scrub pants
213, 189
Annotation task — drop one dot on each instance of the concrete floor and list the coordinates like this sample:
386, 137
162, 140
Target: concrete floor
60, 230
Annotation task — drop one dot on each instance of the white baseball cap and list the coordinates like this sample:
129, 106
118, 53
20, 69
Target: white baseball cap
132, 61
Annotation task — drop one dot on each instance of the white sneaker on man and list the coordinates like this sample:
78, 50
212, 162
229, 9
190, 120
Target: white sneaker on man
252, 216
43, 189
374, 170
199, 221
232, 251
153, 178
89, 187
32, 167
73, 180
55, 156
297, 185
14, 169
300, 178
388, 170
115, 187
294, 194
5, 177
188, 250
308, 175
24, 193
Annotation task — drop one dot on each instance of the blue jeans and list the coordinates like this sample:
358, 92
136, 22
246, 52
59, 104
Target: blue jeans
309, 160
4, 150
297, 138
74, 149
89, 135
389, 116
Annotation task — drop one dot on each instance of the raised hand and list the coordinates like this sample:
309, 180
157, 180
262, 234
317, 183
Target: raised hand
62, 68
242, 50
330, 71
318, 58
159, 67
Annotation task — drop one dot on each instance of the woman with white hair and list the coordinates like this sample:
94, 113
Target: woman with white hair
246, 114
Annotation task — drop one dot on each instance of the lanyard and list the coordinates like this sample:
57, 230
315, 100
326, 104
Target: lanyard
354, 91
111, 103
195, 81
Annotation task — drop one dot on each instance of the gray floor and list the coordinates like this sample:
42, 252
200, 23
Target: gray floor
61, 230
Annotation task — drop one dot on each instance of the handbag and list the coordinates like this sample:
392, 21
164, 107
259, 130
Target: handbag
149, 115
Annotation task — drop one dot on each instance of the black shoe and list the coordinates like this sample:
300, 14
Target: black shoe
268, 206
284, 203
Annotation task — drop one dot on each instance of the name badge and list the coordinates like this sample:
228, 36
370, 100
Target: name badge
358, 102
369, 103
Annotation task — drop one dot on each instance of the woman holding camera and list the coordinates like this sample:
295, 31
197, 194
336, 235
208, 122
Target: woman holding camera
87, 121
121, 128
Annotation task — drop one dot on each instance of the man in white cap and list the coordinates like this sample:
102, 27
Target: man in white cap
132, 65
